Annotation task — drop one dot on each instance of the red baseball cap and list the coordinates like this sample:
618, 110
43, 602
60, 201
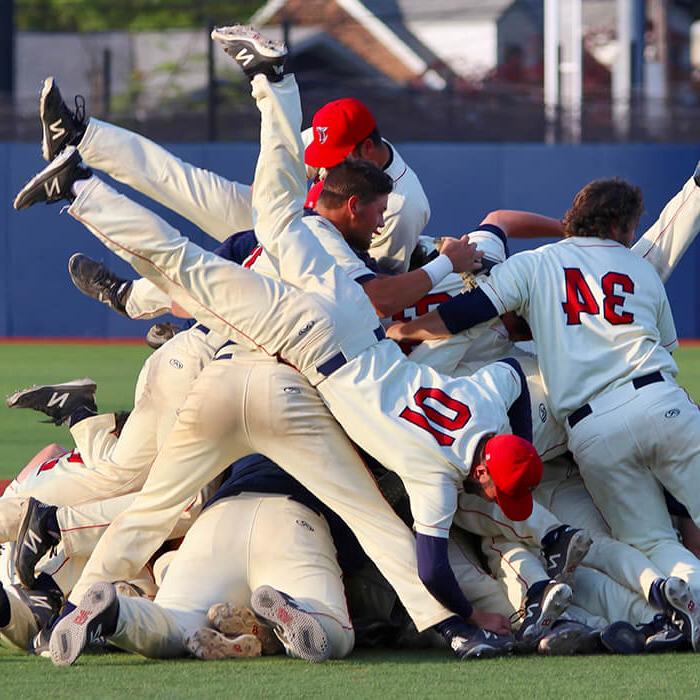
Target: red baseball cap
337, 128
515, 468
313, 194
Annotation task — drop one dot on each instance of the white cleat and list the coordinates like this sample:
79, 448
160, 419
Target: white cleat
684, 607
209, 644
300, 632
252, 51
234, 621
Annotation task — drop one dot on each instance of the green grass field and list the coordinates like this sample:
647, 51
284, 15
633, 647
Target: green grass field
366, 674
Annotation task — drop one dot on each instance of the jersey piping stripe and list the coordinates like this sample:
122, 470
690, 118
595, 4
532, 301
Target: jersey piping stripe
84, 527
150, 263
63, 563
496, 294
493, 548
405, 170
498, 522
553, 447
431, 527
664, 230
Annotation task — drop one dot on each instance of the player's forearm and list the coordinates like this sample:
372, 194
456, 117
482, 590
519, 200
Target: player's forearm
436, 574
428, 327
523, 224
392, 294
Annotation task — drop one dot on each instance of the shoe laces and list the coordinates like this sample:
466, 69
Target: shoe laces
79, 112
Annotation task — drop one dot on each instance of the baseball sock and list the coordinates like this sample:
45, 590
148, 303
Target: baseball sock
5, 609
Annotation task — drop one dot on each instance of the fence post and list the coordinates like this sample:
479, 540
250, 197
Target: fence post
211, 86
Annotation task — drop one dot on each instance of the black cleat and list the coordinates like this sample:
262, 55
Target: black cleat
58, 401
565, 552
568, 637
253, 52
55, 182
544, 602
470, 642
37, 535
94, 619
623, 638
301, 633
160, 333
682, 608
663, 635
94, 280
59, 125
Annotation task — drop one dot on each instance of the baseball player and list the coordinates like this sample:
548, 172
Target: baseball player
321, 277
604, 355
343, 128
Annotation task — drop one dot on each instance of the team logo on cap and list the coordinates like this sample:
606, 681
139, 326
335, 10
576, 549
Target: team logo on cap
322, 132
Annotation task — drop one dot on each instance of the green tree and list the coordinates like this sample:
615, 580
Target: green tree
102, 15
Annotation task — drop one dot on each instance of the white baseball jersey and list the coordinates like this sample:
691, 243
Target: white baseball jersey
407, 212
463, 354
598, 312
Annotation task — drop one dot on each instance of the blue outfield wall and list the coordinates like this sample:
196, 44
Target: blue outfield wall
462, 181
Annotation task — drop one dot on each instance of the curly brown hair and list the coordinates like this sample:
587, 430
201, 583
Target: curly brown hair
601, 206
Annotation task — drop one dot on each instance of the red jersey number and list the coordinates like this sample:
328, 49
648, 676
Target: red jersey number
73, 457
457, 416
580, 298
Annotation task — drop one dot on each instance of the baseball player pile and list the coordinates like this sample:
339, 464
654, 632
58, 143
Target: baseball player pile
354, 439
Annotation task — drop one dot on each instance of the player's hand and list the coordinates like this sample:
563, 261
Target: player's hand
493, 622
463, 254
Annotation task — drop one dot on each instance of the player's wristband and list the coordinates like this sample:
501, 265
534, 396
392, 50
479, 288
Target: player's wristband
438, 269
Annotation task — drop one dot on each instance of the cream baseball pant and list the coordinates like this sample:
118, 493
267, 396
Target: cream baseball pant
163, 383
214, 204
235, 546
634, 442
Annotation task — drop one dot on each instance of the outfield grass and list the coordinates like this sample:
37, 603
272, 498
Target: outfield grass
366, 674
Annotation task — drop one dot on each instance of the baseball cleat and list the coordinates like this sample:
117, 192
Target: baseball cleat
481, 644
545, 601
57, 401
569, 638
683, 609
55, 182
566, 552
36, 536
208, 644
60, 126
234, 621
253, 52
93, 619
96, 281
160, 333
301, 633
623, 638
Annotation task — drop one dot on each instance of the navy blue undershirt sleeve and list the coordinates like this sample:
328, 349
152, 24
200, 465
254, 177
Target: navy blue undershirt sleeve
436, 574
520, 413
466, 310
237, 247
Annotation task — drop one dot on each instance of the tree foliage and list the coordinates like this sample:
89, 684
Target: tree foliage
103, 15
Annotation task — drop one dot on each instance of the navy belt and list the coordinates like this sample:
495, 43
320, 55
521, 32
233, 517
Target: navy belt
201, 327
584, 411
338, 360
225, 356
